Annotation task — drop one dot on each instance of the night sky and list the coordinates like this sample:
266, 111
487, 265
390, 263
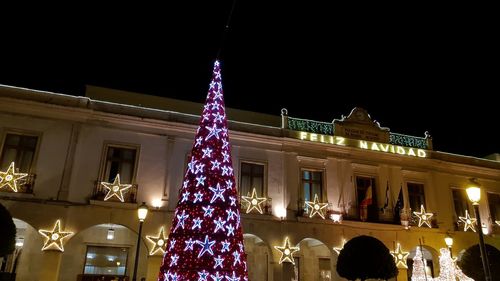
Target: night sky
414, 70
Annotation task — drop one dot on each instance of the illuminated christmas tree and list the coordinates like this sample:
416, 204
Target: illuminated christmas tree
448, 269
206, 241
418, 272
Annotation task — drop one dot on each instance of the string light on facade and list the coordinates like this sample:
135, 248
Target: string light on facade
400, 257
468, 221
10, 178
54, 237
287, 252
254, 202
159, 242
338, 249
316, 207
423, 217
115, 189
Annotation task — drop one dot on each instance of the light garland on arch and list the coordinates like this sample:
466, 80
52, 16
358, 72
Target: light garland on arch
468, 221
254, 202
10, 177
423, 217
116, 189
400, 256
159, 242
54, 237
316, 207
287, 252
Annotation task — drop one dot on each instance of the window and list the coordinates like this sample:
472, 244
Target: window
120, 160
19, 149
494, 203
460, 202
251, 176
366, 191
416, 196
325, 272
106, 261
312, 184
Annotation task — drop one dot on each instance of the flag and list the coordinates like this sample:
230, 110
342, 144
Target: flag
399, 205
386, 203
363, 214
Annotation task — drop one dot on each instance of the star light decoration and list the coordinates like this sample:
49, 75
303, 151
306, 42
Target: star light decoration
497, 222
338, 249
287, 252
116, 189
468, 221
54, 237
254, 202
205, 242
423, 217
159, 242
10, 178
400, 257
316, 207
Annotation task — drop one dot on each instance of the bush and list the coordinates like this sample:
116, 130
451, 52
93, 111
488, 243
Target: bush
472, 265
8, 233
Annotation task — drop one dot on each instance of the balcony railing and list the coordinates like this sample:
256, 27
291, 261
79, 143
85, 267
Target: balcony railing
100, 192
304, 211
24, 185
267, 207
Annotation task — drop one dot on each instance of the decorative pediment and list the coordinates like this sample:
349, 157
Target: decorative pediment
359, 125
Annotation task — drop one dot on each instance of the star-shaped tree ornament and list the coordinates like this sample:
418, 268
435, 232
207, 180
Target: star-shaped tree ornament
54, 237
10, 177
287, 252
338, 249
468, 221
423, 217
254, 202
316, 207
400, 257
115, 189
159, 242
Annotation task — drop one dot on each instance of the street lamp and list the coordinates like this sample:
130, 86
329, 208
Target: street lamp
449, 242
142, 212
474, 194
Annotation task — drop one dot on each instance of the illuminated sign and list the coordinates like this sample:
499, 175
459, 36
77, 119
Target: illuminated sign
368, 145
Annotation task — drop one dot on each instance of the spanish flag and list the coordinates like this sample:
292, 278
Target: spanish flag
363, 212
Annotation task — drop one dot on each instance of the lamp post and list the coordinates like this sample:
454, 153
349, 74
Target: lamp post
474, 194
449, 242
142, 212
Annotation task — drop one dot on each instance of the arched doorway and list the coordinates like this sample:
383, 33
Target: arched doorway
26, 260
258, 258
313, 261
102, 250
431, 259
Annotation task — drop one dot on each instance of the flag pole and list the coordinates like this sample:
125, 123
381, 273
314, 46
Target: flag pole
423, 260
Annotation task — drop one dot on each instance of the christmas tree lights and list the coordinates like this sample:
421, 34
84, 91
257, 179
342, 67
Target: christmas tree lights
54, 238
206, 240
448, 269
418, 272
10, 178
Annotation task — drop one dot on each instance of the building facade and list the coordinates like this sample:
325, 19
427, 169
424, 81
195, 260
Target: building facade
64, 147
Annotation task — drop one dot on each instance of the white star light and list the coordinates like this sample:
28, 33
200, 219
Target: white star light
225, 144
230, 230
213, 132
202, 276
174, 260
224, 132
173, 277
189, 244
198, 196
207, 152
200, 181
206, 246
215, 105
229, 184
215, 165
234, 278
230, 214
208, 211
199, 168
181, 220
226, 157
219, 224
217, 277
225, 246
172, 244
197, 223
185, 196
233, 200
218, 262
212, 85
225, 170
206, 117
217, 75
241, 246
217, 193
185, 183
236, 256
198, 141
191, 165
218, 117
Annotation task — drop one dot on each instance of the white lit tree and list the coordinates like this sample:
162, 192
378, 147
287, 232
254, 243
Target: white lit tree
448, 269
418, 272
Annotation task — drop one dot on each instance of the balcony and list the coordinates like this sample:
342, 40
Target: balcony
305, 211
24, 185
100, 192
267, 207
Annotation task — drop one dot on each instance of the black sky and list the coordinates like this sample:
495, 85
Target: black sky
414, 70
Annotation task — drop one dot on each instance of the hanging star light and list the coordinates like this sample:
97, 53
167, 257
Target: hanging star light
316, 207
254, 202
400, 256
468, 221
10, 177
287, 252
115, 189
159, 242
54, 237
423, 217
338, 249
497, 222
